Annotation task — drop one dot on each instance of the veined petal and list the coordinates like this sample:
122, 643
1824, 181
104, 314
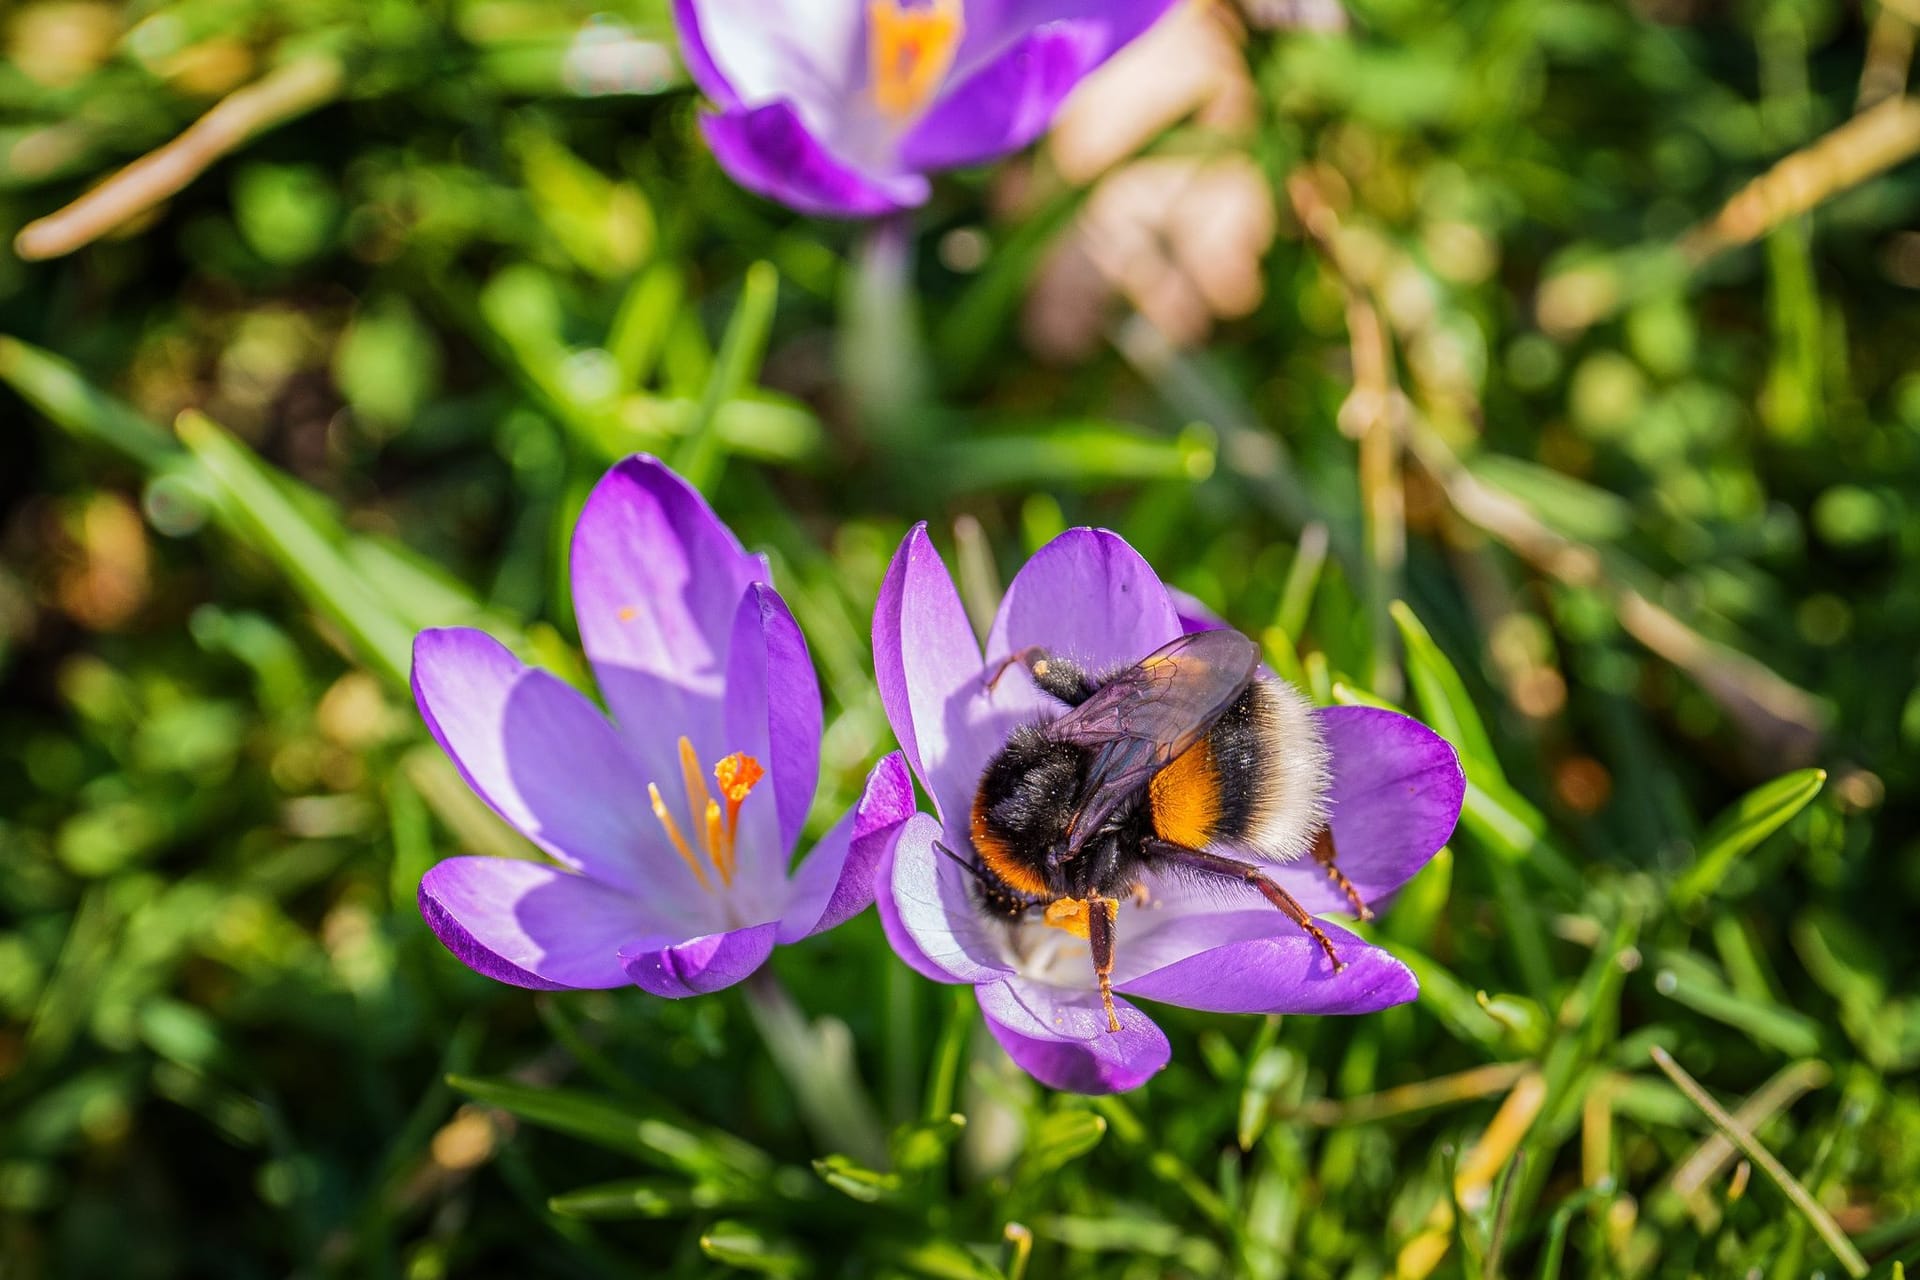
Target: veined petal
1005, 103
657, 580
1396, 793
530, 924
928, 910
1257, 961
835, 882
772, 714
768, 149
1087, 596
699, 966
539, 753
932, 682
1060, 1037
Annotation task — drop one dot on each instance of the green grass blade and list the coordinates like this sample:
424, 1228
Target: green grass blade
701, 454
1777, 1027
1818, 1218
636, 1131
1751, 819
746, 1248
1442, 694
306, 552
638, 1198
57, 389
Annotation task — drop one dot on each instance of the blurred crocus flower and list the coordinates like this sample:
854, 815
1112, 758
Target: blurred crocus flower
1395, 793
842, 107
672, 824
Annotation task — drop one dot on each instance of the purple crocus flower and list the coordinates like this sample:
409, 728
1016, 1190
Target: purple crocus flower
672, 824
842, 107
1394, 794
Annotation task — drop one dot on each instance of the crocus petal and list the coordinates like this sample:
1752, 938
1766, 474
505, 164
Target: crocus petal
929, 913
698, 57
699, 966
994, 24
531, 924
767, 149
1397, 788
812, 52
836, 880
1060, 1037
1256, 961
932, 683
538, 752
1194, 613
773, 714
1006, 103
657, 579
1087, 596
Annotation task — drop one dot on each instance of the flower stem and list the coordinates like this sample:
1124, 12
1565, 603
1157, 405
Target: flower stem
882, 352
817, 1060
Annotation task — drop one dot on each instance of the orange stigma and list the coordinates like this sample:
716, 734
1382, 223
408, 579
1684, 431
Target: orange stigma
713, 829
909, 51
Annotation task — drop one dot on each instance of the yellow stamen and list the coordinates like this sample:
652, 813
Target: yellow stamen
909, 51
719, 845
697, 793
716, 827
698, 798
673, 834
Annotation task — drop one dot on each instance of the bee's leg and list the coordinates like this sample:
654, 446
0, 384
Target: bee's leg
1101, 914
1247, 873
1324, 854
1058, 677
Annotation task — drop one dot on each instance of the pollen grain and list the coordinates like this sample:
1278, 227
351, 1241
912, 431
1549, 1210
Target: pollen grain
1069, 914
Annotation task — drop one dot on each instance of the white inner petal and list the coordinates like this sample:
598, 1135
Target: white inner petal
812, 52
1041, 953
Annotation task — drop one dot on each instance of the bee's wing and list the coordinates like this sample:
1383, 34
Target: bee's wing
1142, 719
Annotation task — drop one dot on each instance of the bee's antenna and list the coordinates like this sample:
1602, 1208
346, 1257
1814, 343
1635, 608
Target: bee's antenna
961, 862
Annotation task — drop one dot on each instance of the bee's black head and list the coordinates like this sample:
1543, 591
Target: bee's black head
1025, 805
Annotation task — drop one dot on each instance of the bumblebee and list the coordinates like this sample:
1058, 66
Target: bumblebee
1170, 766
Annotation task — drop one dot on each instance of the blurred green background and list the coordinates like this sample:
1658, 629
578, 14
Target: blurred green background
1585, 330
